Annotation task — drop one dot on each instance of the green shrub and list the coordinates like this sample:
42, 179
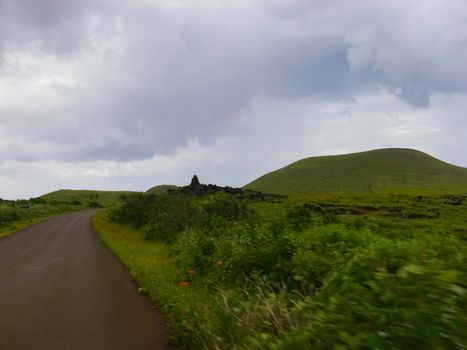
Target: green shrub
302, 279
169, 216
227, 207
404, 295
133, 210
323, 249
8, 216
163, 216
38, 200
300, 217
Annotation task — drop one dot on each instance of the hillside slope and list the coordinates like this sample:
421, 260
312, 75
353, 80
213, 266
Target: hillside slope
392, 169
104, 198
161, 189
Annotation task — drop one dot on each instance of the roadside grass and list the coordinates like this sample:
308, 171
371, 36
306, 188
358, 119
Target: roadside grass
200, 314
19, 225
155, 271
25, 217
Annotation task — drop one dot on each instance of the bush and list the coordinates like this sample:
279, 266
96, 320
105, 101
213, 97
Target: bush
227, 207
163, 216
133, 210
8, 216
38, 200
403, 295
300, 217
169, 216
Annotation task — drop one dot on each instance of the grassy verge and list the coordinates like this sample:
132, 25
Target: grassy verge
200, 314
19, 225
39, 214
156, 272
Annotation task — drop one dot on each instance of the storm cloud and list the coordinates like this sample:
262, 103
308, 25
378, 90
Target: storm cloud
116, 90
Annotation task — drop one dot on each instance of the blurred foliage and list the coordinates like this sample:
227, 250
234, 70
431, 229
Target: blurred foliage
342, 273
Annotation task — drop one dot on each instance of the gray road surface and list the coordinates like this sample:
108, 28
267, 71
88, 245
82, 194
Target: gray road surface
60, 288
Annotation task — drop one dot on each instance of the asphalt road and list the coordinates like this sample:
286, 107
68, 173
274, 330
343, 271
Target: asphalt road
60, 288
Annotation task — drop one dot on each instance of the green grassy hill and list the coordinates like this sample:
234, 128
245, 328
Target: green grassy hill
105, 198
382, 170
161, 188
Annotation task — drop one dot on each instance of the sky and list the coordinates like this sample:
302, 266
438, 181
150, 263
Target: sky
113, 94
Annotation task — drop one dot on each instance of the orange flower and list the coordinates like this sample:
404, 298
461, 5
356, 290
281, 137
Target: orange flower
184, 283
190, 272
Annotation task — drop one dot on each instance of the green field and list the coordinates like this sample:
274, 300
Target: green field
385, 170
82, 197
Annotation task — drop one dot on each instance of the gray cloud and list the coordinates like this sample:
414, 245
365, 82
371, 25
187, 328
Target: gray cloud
84, 81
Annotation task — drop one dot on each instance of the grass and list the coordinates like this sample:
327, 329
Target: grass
104, 198
27, 218
20, 225
382, 171
200, 315
155, 270
161, 188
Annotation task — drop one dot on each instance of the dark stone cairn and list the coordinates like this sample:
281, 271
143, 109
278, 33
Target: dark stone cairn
195, 188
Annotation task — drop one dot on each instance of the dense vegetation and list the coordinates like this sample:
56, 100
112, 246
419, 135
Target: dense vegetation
375, 271
388, 170
17, 214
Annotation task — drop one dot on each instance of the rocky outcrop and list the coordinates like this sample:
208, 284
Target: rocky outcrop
195, 188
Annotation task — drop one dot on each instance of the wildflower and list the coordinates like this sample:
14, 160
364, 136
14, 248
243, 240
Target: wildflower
184, 283
190, 272
219, 263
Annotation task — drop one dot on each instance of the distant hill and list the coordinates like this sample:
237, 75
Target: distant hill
382, 170
105, 198
161, 189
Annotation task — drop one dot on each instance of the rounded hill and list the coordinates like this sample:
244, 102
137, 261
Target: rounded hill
66, 196
161, 189
382, 170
